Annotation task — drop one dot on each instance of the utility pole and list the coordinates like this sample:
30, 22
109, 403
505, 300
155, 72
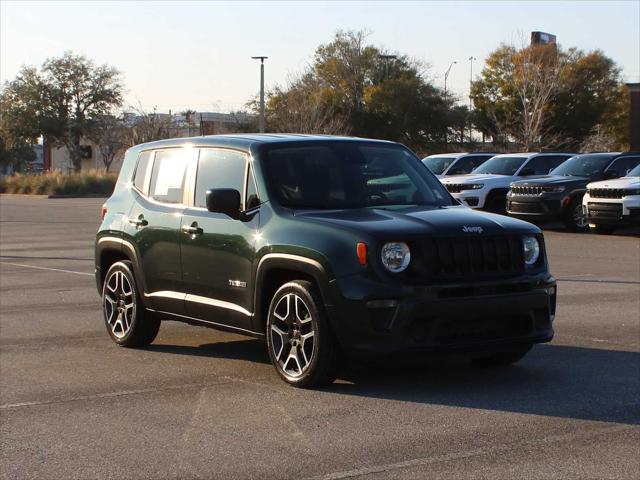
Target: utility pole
262, 59
446, 76
471, 59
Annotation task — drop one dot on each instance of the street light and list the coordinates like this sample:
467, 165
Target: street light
471, 59
446, 75
262, 59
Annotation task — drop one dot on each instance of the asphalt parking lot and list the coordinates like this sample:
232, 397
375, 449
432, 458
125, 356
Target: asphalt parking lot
204, 404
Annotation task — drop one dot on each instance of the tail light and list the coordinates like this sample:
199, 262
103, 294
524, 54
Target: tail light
104, 211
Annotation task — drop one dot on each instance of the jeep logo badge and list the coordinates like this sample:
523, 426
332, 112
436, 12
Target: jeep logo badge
467, 229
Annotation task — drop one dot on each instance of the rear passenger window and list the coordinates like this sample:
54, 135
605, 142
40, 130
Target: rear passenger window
168, 175
141, 177
219, 168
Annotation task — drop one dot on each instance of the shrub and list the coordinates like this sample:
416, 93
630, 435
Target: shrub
56, 183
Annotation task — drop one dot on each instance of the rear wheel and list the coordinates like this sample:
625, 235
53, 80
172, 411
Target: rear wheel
603, 229
301, 346
128, 323
506, 357
575, 218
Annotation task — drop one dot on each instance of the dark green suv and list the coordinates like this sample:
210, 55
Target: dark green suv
324, 246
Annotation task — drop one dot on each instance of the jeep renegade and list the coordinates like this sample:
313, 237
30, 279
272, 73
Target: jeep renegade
322, 246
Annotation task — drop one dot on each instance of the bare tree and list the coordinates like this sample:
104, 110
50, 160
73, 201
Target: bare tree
600, 140
149, 126
110, 135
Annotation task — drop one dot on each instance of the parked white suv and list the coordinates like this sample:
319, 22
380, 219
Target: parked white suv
610, 204
455, 163
486, 187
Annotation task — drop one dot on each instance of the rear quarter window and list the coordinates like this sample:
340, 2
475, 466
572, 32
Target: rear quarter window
141, 175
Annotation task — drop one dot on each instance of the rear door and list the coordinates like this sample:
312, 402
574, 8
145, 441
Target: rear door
217, 260
154, 225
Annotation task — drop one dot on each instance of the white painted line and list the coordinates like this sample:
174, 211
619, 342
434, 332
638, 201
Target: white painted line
46, 268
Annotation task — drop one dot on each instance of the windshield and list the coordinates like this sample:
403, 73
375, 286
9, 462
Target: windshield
634, 173
501, 166
438, 164
583, 166
350, 175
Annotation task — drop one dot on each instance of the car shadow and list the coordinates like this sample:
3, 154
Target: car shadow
553, 380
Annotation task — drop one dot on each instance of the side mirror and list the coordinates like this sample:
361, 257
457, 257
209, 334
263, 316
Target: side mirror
527, 171
610, 174
224, 200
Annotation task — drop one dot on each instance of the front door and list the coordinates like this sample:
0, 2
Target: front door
218, 251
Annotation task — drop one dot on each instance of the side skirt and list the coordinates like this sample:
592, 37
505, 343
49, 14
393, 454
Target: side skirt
207, 323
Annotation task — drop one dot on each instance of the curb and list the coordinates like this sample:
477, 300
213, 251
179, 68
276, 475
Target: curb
27, 195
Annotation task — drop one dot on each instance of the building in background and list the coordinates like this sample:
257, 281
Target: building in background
542, 38
634, 116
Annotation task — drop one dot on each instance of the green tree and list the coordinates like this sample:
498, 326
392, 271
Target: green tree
547, 97
353, 88
60, 100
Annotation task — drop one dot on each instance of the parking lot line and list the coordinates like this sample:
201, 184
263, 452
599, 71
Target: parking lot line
46, 268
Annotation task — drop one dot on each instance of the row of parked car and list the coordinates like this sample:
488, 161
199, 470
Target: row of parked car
597, 191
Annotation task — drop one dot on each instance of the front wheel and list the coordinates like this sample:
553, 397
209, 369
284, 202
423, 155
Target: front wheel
301, 345
128, 323
575, 218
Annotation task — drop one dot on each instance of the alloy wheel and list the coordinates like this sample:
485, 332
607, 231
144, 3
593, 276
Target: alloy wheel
119, 304
292, 335
579, 217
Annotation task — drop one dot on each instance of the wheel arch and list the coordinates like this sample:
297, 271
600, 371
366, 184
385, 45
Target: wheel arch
113, 249
276, 269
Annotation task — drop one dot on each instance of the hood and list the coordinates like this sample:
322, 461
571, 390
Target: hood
624, 182
419, 221
554, 180
472, 178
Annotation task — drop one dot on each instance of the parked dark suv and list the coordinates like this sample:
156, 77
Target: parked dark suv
321, 245
558, 196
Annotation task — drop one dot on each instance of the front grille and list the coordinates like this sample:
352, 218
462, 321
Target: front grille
605, 210
528, 207
468, 257
530, 190
456, 187
607, 192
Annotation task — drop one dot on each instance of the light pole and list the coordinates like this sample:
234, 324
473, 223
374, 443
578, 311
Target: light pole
446, 76
471, 59
262, 59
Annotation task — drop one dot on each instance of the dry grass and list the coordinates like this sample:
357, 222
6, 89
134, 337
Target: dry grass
56, 183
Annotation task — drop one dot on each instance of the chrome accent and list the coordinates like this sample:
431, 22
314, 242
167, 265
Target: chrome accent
208, 322
187, 297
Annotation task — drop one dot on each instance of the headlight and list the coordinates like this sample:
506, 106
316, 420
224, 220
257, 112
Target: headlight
395, 256
531, 249
473, 186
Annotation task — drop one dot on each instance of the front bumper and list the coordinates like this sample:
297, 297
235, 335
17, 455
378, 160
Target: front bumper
537, 207
623, 211
455, 317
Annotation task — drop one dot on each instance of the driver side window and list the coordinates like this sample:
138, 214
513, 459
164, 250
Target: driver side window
218, 168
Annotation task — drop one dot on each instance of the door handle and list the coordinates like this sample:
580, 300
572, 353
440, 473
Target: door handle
139, 222
192, 229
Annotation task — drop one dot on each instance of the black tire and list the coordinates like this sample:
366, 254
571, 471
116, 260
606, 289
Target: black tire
574, 217
603, 229
128, 322
496, 203
505, 357
296, 309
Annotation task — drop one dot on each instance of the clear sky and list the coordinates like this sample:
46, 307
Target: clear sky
178, 55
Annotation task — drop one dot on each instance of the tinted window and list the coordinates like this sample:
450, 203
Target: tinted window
501, 165
467, 164
635, 172
437, 165
219, 169
623, 165
168, 175
589, 165
349, 175
140, 178
543, 165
